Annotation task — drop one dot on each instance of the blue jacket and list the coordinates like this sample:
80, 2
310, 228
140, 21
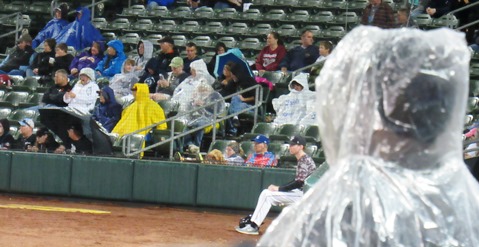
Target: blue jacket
111, 66
51, 29
80, 33
299, 57
162, 2
108, 113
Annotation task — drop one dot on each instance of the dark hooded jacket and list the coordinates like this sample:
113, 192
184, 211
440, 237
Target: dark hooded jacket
108, 113
151, 79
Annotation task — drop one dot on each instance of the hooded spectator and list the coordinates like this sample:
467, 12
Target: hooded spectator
141, 113
112, 62
108, 112
121, 84
80, 33
145, 53
54, 26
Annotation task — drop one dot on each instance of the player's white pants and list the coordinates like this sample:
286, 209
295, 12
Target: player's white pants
269, 198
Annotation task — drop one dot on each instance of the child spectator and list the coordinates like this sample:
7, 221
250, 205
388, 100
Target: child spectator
121, 84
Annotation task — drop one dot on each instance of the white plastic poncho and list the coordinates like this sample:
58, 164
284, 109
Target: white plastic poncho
391, 107
291, 108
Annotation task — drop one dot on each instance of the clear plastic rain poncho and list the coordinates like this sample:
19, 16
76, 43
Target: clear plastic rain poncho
184, 91
391, 106
291, 108
202, 95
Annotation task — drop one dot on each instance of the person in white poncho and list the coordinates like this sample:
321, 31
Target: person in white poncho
292, 108
84, 94
391, 116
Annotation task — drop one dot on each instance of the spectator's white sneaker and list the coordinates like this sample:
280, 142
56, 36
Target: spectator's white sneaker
248, 229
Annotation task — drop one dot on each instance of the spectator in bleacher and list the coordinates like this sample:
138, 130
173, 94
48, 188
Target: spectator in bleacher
225, 84
285, 194
301, 56
325, 48
112, 62
83, 95
122, 83
80, 33
403, 19
108, 111
54, 95
271, 55
202, 95
153, 3
145, 53
223, 4
18, 60
379, 14
6, 139
27, 138
240, 102
87, 59
216, 157
167, 53
43, 62
151, 74
141, 113
191, 55
220, 48
54, 26
184, 91
261, 156
233, 154
165, 88
291, 108
62, 58
438, 8
80, 144
45, 142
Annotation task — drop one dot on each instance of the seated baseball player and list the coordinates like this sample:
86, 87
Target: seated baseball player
286, 194
261, 157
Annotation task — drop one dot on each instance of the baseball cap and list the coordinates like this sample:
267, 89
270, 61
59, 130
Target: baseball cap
27, 122
167, 39
261, 139
176, 62
297, 140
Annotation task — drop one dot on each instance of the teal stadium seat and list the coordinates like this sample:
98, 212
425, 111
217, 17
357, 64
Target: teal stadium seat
211, 28
19, 114
260, 128
157, 13
13, 99
133, 11
33, 100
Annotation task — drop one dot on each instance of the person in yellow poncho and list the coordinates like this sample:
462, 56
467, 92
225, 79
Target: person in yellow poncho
141, 113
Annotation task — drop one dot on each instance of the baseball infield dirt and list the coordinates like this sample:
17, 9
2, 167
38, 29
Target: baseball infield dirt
44, 221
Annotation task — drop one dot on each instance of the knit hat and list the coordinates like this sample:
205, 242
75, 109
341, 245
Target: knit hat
88, 72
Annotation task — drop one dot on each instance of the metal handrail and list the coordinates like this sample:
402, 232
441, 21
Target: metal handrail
126, 149
18, 25
92, 5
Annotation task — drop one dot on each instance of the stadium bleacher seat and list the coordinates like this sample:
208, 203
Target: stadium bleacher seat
179, 13
136, 143
346, 18
141, 25
250, 15
357, 5
19, 114
260, 31
202, 41
226, 14
474, 71
118, 25
474, 87
133, 11
5, 112
203, 13
423, 20
130, 38
334, 4
33, 100
161, 135
109, 36
229, 41
274, 15
15, 6
311, 134
211, 28
284, 132
157, 13
13, 99
248, 147
297, 17
323, 18
29, 84
236, 28
310, 3
220, 145
165, 26
334, 32
180, 40
38, 7
315, 29
99, 23
188, 28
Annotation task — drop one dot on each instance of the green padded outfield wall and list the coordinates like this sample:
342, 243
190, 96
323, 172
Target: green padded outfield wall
228, 186
5, 162
40, 173
105, 178
277, 176
165, 182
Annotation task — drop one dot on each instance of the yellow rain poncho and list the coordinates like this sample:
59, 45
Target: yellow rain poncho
141, 113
